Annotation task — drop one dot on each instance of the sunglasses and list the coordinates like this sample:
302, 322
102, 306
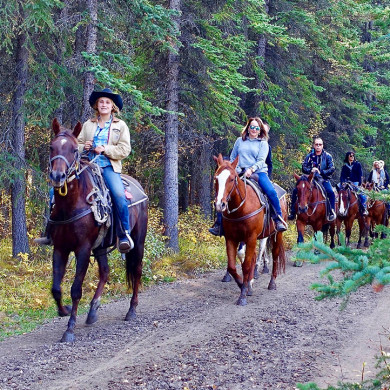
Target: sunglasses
257, 128
318, 144
351, 155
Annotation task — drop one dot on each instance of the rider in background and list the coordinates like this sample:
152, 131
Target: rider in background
379, 175
321, 164
252, 150
108, 138
352, 172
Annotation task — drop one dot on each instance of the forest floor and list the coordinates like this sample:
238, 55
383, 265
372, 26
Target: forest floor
190, 334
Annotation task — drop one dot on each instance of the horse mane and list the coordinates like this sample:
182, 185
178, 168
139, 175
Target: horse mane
226, 164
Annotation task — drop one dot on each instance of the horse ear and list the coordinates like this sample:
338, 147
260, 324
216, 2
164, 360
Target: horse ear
56, 126
297, 177
235, 162
215, 159
310, 178
77, 129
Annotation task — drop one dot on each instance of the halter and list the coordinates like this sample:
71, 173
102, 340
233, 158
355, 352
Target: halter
235, 186
70, 167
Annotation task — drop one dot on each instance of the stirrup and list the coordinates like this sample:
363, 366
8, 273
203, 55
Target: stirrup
291, 217
331, 216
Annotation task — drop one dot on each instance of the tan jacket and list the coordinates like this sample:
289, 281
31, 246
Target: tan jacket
118, 146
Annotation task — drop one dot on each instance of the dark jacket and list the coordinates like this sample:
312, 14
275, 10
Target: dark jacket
353, 173
325, 165
386, 183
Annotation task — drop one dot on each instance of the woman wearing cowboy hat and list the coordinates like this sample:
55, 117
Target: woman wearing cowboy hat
378, 175
108, 138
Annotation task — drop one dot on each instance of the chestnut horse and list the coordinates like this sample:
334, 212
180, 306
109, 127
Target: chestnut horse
349, 211
73, 228
311, 208
243, 220
377, 213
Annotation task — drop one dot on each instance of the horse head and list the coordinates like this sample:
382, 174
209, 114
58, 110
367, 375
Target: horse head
344, 200
64, 155
226, 180
304, 191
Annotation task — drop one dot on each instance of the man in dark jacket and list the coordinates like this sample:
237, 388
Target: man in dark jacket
321, 164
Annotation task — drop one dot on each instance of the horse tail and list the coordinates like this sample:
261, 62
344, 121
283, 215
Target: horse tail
279, 252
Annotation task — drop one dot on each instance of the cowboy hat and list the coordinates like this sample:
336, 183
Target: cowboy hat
106, 92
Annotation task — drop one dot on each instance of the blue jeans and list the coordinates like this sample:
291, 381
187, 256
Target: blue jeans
114, 183
362, 197
330, 193
269, 190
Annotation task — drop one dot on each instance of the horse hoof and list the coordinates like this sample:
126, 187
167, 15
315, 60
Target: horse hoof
256, 273
131, 315
68, 337
92, 318
265, 270
66, 312
272, 286
250, 292
227, 277
241, 301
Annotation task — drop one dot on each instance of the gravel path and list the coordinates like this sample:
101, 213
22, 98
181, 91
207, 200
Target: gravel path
191, 335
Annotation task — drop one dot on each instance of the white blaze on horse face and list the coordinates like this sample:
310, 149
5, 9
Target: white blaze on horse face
63, 141
341, 207
222, 177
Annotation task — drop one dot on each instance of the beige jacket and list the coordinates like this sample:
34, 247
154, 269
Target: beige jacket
118, 146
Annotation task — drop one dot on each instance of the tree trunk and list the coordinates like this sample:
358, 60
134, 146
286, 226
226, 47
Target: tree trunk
18, 187
89, 79
171, 190
204, 182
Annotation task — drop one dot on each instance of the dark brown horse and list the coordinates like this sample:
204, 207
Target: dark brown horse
73, 228
311, 208
377, 214
243, 220
349, 211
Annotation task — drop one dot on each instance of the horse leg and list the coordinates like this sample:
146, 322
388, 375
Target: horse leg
241, 255
338, 228
278, 259
247, 270
348, 230
231, 250
134, 273
82, 264
59, 266
361, 231
300, 230
103, 277
332, 229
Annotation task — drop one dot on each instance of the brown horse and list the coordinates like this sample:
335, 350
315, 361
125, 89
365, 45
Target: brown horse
311, 208
243, 220
73, 228
377, 214
349, 211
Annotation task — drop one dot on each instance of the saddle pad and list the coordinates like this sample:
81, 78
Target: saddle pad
255, 185
134, 188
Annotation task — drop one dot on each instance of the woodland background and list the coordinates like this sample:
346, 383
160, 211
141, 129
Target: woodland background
190, 73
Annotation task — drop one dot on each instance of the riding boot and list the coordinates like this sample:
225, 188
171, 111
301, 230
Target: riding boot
45, 239
332, 215
292, 214
280, 224
216, 229
126, 243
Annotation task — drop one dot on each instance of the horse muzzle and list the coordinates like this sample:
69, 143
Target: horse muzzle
302, 210
220, 206
57, 178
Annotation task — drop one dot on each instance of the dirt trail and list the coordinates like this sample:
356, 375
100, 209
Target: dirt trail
191, 335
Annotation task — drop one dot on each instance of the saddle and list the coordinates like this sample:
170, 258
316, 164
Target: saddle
317, 182
100, 200
264, 201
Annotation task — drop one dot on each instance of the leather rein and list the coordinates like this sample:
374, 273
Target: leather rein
243, 199
72, 172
